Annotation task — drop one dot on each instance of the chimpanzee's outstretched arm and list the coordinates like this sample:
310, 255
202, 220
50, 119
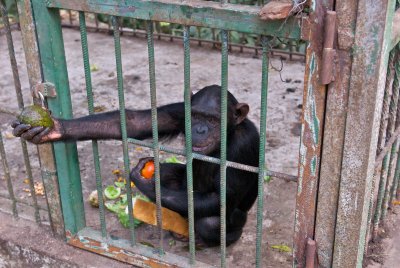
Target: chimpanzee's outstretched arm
107, 126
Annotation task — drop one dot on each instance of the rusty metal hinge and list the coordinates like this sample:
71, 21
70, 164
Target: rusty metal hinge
46, 89
311, 254
328, 53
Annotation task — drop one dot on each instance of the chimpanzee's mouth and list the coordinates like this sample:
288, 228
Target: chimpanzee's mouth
201, 148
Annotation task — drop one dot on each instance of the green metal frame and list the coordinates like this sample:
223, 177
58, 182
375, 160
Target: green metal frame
194, 13
54, 70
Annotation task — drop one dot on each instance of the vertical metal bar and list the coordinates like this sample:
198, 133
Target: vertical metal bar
396, 85
156, 149
381, 192
389, 181
52, 55
395, 180
18, 91
263, 134
198, 29
224, 103
88, 80
188, 141
70, 17
214, 37
121, 99
96, 21
8, 177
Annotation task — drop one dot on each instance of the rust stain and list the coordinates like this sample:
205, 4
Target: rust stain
310, 147
114, 252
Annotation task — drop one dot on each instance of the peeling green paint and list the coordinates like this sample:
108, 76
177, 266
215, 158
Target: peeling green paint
313, 166
310, 114
374, 53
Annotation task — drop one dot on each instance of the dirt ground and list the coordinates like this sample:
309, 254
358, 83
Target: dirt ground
283, 129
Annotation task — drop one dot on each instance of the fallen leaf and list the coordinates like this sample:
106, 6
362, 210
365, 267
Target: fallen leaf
26, 181
396, 202
99, 109
282, 248
93, 67
116, 172
8, 135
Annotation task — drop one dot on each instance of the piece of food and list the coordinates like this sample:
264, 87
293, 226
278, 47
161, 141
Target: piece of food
112, 192
148, 170
36, 116
146, 211
94, 199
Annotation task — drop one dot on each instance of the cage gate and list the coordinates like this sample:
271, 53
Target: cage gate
222, 16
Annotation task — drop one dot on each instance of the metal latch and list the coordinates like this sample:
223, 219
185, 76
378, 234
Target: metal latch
328, 53
45, 89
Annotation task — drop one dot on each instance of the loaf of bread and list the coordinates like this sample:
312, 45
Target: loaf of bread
146, 212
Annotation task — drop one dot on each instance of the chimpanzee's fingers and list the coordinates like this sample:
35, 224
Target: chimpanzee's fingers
39, 137
28, 135
20, 129
143, 161
15, 123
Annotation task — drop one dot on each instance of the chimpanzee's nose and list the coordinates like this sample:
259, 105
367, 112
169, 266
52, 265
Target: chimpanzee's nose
201, 129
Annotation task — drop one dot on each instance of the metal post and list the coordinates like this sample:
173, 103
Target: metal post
362, 123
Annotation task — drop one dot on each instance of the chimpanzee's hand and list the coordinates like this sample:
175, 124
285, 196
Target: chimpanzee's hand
146, 186
38, 135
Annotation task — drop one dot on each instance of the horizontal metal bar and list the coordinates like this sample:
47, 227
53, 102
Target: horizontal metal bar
21, 201
232, 17
138, 255
214, 160
135, 32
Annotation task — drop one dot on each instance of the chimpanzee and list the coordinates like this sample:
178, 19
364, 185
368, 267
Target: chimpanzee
242, 147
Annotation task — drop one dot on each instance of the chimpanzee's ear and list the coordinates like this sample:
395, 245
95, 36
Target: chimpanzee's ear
241, 111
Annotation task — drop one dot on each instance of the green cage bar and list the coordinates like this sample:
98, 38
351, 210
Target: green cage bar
381, 192
95, 147
224, 104
154, 125
18, 91
203, 13
396, 84
121, 99
389, 181
188, 141
396, 177
8, 177
263, 134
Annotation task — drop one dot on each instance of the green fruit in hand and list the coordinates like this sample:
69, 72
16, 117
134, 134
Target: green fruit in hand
36, 116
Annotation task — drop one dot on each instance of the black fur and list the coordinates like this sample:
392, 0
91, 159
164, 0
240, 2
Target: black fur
242, 147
